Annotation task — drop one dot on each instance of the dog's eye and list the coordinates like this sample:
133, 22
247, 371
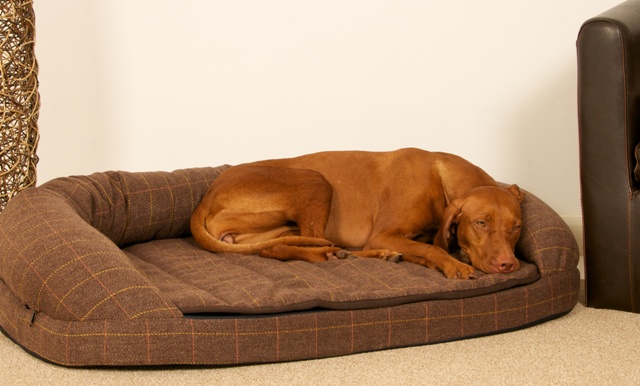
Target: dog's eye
481, 224
516, 229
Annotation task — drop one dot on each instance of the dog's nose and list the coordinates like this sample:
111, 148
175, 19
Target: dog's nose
506, 264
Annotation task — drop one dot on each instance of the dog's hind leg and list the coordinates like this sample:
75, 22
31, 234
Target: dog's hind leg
308, 254
382, 254
250, 207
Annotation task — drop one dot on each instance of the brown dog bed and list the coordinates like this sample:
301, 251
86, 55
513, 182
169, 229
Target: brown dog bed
100, 270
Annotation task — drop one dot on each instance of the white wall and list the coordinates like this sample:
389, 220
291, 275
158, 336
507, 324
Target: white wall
160, 85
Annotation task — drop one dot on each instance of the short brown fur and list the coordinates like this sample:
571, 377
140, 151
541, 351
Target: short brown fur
407, 203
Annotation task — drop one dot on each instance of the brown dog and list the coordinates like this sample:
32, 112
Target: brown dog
388, 205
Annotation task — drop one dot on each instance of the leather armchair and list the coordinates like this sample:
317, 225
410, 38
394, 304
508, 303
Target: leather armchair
608, 49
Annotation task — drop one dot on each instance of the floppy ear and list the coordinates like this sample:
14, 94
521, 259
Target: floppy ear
450, 217
516, 192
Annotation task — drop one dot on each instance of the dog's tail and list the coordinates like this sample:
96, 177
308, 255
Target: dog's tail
207, 241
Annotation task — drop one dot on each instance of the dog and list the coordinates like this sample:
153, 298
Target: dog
409, 204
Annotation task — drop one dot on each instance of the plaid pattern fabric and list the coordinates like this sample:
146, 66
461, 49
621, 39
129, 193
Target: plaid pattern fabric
99, 270
243, 340
197, 281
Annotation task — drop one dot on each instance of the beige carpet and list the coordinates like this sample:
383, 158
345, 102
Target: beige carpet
585, 347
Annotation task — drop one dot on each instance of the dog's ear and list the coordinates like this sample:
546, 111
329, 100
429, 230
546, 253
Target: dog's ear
450, 219
516, 192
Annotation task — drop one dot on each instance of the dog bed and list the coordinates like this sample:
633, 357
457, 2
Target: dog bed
101, 270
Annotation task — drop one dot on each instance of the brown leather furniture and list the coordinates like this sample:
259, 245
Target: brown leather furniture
608, 50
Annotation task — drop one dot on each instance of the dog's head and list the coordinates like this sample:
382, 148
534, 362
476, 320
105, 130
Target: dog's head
487, 224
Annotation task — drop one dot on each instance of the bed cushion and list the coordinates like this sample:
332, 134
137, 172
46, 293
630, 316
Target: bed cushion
101, 270
196, 281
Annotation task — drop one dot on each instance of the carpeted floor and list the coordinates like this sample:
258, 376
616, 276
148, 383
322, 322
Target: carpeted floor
585, 347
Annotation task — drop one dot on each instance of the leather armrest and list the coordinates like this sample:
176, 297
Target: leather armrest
608, 90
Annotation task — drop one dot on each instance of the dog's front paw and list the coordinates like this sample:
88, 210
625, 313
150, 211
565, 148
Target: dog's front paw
459, 271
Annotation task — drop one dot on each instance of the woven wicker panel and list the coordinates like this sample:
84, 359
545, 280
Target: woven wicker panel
19, 99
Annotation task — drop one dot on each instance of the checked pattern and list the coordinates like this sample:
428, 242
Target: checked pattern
100, 270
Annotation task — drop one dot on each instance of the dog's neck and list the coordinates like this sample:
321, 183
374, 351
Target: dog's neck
457, 183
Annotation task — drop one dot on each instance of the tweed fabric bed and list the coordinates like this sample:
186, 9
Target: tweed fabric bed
243, 340
100, 270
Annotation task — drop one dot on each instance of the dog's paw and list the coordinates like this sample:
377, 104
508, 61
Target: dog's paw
382, 254
460, 271
343, 254
334, 253
392, 256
